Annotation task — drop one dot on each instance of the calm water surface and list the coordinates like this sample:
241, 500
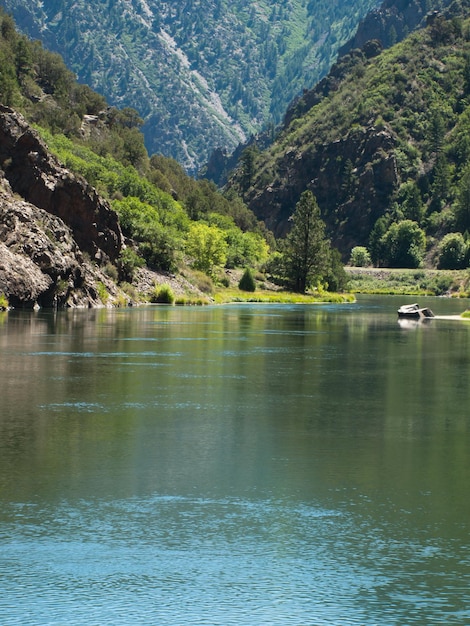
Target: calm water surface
236, 465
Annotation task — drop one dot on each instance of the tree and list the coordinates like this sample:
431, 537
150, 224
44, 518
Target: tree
306, 248
207, 246
452, 252
410, 202
376, 244
247, 281
404, 244
462, 207
360, 257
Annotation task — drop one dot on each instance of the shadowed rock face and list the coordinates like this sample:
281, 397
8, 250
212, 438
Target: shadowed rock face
37, 177
48, 219
321, 168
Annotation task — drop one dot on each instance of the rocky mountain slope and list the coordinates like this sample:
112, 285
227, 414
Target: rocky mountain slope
203, 74
52, 225
381, 139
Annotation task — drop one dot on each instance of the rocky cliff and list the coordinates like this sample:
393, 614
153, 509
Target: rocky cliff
390, 23
348, 191
55, 231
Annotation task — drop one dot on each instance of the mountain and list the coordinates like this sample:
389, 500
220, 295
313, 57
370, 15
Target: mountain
203, 74
381, 140
86, 216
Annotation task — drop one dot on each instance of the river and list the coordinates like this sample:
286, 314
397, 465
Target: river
235, 465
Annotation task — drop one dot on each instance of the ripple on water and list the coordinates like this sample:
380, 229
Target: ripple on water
181, 560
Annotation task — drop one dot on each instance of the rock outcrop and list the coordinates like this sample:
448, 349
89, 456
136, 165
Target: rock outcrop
352, 178
55, 231
40, 261
390, 23
36, 176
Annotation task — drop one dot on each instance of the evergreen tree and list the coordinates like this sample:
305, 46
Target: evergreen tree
247, 281
306, 251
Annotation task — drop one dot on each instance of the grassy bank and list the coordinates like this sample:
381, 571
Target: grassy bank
418, 282
225, 296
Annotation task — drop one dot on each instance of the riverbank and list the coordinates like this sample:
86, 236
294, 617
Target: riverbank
410, 282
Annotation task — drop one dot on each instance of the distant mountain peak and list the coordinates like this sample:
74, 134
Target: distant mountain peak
202, 75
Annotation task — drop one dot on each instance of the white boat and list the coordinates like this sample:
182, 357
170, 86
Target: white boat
413, 311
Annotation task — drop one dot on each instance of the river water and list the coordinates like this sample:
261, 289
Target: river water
235, 465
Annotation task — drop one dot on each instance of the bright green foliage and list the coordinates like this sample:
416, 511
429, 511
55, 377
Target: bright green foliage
163, 294
360, 257
404, 245
247, 281
4, 304
206, 246
306, 248
452, 252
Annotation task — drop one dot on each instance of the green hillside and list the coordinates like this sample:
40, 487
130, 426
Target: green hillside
202, 74
384, 144
161, 209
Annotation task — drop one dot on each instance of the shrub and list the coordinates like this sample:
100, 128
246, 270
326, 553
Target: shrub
452, 252
102, 292
163, 294
130, 290
202, 281
111, 271
247, 281
360, 257
404, 244
128, 263
4, 304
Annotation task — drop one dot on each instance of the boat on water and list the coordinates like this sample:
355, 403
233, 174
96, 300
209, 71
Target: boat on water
414, 311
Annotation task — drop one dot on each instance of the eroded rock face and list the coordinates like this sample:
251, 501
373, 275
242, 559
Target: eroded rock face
55, 231
36, 176
40, 262
352, 178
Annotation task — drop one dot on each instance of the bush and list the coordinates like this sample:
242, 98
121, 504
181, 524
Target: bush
163, 294
111, 271
404, 245
202, 281
130, 290
128, 263
452, 252
247, 281
360, 257
102, 292
4, 304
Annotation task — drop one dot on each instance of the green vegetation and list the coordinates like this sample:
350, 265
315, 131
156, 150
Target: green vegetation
4, 304
409, 282
383, 143
202, 75
162, 294
172, 223
306, 258
360, 257
226, 296
247, 281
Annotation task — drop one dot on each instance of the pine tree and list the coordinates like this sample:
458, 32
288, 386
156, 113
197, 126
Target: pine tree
306, 252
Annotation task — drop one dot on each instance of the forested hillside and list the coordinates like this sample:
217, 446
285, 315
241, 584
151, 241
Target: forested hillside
169, 221
383, 143
202, 74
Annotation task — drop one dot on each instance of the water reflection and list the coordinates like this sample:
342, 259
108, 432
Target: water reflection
234, 465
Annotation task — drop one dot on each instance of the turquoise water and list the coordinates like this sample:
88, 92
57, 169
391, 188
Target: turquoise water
244, 464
